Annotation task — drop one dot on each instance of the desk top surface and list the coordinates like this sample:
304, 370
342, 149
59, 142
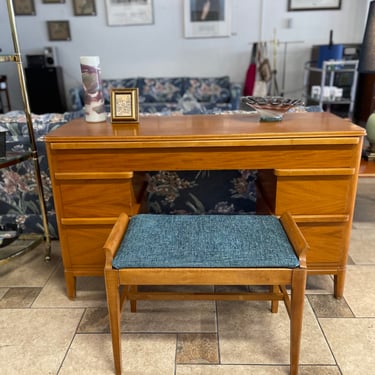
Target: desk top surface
207, 127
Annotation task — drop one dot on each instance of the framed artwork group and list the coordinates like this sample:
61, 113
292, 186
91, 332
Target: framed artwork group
80, 7
202, 18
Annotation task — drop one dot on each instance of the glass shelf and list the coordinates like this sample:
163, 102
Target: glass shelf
9, 58
21, 245
12, 158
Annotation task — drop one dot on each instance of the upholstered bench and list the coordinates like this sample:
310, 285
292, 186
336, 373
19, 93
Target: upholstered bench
206, 250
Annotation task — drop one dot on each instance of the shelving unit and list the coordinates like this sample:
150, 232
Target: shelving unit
24, 242
331, 73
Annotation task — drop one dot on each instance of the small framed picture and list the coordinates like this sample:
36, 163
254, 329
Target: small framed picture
124, 105
84, 7
58, 30
53, 1
24, 7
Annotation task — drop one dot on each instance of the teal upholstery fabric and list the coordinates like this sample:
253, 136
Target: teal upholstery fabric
205, 241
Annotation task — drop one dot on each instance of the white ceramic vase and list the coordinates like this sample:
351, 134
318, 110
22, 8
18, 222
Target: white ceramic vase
92, 85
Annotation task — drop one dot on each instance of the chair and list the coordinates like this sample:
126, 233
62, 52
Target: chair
206, 250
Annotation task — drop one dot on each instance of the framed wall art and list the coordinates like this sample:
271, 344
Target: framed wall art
294, 5
124, 105
129, 12
58, 30
53, 1
207, 18
24, 7
84, 7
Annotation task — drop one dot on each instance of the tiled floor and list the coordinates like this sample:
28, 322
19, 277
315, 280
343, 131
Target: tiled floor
43, 332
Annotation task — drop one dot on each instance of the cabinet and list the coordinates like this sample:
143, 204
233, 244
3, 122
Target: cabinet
45, 86
24, 243
332, 87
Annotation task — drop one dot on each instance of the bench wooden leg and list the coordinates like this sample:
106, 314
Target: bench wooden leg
114, 311
296, 317
133, 302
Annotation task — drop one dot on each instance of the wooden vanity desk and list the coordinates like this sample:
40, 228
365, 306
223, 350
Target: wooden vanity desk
307, 164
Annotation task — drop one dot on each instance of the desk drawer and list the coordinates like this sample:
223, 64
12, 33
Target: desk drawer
327, 241
96, 194
315, 192
96, 198
83, 245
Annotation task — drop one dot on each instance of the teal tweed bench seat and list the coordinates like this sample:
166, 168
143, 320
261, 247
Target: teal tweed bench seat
206, 250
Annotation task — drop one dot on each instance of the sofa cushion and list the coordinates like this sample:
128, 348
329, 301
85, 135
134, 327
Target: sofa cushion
160, 89
209, 89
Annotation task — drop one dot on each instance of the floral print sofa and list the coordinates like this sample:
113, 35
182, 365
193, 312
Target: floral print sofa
170, 94
19, 202
183, 192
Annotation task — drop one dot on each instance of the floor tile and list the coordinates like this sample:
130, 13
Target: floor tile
90, 292
359, 290
35, 341
143, 354
352, 342
327, 306
19, 298
365, 201
319, 284
362, 243
30, 269
250, 334
3, 291
171, 316
94, 320
197, 348
252, 370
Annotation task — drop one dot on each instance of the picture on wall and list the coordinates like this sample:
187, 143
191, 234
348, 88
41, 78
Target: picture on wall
207, 18
53, 1
313, 5
24, 7
84, 7
129, 12
58, 30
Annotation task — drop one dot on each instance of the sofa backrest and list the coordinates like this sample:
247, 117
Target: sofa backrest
166, 89
209, 90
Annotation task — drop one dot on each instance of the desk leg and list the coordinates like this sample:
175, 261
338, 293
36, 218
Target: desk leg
70, 282
339, 281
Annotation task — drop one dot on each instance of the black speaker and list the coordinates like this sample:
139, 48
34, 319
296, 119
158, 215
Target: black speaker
46, 90
50, 56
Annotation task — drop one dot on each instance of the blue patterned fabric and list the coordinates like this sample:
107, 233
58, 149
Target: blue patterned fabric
202, 192
219, 241
19, 202
211, 90
162, 94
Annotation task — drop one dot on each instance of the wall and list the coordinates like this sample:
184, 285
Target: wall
160, 49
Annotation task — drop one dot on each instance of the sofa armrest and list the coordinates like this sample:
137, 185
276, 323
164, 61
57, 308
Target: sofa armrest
77, 98
235, 95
